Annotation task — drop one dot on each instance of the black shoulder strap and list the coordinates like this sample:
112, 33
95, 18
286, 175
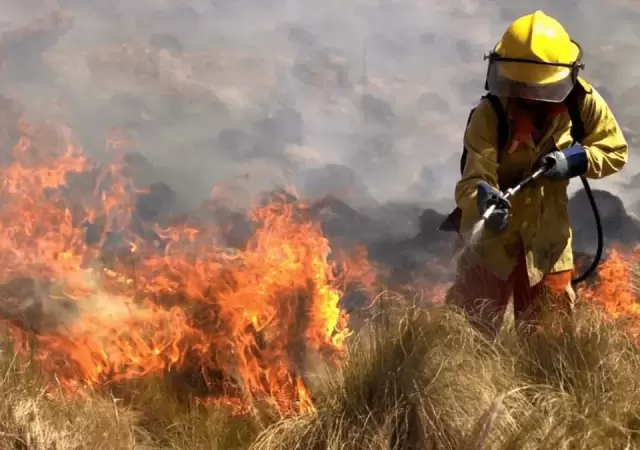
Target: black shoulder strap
463, 157
574, 107
503, 123
503, 128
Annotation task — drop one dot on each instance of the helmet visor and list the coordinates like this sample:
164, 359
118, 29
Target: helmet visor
529, 80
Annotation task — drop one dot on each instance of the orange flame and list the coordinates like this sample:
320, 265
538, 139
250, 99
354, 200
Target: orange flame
615, 290
239, 325
240, 320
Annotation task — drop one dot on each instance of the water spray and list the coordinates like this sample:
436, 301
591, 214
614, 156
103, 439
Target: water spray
452, 222
478, 228
512, 191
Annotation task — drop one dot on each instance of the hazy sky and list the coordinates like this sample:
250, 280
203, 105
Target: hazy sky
244, 60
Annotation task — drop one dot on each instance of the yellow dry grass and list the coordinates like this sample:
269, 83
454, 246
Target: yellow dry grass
419, 378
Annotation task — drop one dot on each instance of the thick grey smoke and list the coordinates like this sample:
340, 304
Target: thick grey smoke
366, 99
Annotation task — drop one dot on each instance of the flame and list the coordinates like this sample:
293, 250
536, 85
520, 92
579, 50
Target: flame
616, 289
118, 299
136, 300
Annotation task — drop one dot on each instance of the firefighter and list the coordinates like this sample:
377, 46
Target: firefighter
525, 249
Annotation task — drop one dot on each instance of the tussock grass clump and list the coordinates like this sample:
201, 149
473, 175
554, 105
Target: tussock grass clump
149, 416
587, 385
416, 378
29, 420
426, 380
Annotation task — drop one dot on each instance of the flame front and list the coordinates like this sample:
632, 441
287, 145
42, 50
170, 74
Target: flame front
616, 289
111, 298
241, 321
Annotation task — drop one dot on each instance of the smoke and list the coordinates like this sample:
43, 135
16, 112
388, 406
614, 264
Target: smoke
364, 99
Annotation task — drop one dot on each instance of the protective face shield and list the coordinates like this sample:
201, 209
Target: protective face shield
531, 79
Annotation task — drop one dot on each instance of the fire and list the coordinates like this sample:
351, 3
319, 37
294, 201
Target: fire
113, 298
121, 299
616, 289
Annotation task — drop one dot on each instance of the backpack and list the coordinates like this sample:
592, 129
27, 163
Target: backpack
572, 102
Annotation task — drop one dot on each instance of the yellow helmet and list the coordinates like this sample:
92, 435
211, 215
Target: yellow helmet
536, 59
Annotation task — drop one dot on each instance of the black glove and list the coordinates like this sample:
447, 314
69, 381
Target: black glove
565, 164
487, 196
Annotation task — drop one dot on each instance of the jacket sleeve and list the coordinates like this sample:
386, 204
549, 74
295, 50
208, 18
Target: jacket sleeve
480, 140
606, 147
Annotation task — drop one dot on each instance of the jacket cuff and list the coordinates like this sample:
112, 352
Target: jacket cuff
577, 160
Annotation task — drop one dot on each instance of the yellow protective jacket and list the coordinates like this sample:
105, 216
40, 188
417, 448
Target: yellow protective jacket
539, 213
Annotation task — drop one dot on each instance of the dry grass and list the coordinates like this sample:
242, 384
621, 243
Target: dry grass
147, 416
419, 379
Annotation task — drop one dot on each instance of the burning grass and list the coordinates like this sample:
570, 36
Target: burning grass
113, 298
420, 378
122, 333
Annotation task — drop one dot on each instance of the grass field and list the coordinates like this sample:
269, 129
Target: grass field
419, 379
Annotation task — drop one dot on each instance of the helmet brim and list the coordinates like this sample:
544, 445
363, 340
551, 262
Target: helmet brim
574, 53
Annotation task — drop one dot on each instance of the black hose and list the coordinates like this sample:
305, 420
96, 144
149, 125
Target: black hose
596, 215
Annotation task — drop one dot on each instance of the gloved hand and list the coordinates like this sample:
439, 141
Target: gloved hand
487, 196
565, 164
